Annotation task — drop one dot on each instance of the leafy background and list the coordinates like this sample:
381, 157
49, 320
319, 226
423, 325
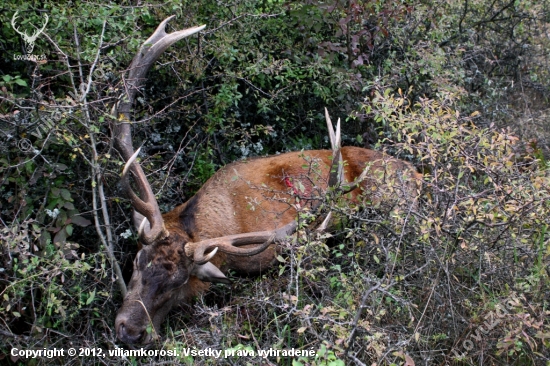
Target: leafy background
456, 87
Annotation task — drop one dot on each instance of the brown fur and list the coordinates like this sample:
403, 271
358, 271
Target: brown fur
245, 196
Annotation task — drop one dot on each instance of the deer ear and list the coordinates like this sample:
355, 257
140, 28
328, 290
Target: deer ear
210, 273
140, 220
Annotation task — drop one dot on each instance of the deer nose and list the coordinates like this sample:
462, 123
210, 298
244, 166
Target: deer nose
130, 336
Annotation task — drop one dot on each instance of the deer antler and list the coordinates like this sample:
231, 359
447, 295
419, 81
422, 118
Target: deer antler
230, 244
337, 168
43, 27
337, 175
148, 207
14, 27
150, 51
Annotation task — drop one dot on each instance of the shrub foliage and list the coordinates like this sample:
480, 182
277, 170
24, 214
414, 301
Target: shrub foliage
458, 274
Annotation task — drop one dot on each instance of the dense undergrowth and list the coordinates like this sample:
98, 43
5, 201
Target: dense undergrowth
457, 274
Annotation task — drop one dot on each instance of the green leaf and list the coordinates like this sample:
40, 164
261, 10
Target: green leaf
91, 297
80, 221
66, 195
21, 82
60, 166
29, 167
321, 352
55, 192
60, 237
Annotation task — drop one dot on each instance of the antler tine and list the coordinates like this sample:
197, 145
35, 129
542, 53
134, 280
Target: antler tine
335, 138
337, 168
147, 206
142, 227
160, 40
13, 24
325, 222
336, 177
44, 26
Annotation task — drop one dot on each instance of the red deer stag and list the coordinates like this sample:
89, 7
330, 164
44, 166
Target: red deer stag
239, 212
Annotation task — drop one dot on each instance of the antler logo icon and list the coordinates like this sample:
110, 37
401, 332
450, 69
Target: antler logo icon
29, 40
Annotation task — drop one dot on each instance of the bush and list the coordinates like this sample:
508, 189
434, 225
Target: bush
460, 275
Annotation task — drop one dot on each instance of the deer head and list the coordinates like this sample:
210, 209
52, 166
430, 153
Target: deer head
29, 40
